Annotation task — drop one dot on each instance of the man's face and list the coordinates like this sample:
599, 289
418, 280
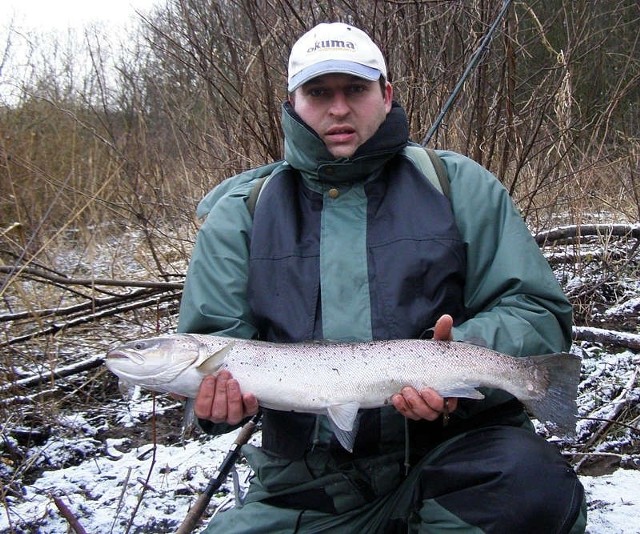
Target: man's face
345, 111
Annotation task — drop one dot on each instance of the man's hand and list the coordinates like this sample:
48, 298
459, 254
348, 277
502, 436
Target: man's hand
220, 400
427, 404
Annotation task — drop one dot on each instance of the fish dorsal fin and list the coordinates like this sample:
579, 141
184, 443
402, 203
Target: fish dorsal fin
211, 362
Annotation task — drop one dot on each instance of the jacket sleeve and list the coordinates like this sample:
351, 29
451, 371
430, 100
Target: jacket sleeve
513, 300
214, 296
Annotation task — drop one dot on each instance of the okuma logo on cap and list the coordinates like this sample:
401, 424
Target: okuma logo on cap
331, 44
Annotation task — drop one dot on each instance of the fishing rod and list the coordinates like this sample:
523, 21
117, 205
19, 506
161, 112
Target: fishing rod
193, 517
473, 63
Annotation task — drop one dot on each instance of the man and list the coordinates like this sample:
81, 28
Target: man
350, 241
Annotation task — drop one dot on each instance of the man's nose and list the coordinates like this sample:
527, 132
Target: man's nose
339, 105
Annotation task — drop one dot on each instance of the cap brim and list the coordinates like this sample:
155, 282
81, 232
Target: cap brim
332, 67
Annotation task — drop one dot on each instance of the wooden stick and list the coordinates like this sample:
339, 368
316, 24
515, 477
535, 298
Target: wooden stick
69, 516
194, 515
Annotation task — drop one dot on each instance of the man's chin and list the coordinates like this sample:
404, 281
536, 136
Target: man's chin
342, 151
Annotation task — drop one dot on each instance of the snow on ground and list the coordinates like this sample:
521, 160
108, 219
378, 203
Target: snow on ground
154, 489
95, 453
151, 487
614, 502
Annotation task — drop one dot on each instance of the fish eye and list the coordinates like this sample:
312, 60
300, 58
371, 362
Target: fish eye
139, 345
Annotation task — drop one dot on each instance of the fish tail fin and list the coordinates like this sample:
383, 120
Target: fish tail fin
558, 405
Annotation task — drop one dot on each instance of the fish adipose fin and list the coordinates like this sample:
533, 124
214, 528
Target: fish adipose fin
344, 423
558, 406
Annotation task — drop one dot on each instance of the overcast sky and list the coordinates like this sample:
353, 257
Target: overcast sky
46, 15
27, 27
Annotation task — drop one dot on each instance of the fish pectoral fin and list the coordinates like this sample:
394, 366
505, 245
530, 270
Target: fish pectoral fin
343, 416
212, 362
190, 421
461, 390
127, 389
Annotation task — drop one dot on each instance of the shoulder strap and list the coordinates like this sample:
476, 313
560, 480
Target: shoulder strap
431, 165
252, 200
257, 186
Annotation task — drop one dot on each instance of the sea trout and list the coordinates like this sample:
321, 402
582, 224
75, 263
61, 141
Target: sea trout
338, 379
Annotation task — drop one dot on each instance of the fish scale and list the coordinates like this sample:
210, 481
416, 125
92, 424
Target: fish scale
339, 379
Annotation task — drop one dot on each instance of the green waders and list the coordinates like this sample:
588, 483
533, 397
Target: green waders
497, 479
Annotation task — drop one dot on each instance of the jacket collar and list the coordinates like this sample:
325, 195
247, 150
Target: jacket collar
306, 152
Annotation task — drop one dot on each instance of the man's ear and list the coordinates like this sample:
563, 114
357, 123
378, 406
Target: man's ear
388, 96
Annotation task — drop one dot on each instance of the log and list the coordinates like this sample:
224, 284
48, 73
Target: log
607, 337
76, 368
564, 233
87, 282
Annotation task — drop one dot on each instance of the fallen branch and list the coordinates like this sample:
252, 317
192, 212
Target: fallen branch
613, 422
619, 404
76, 368
607, 337
69, 516
565, 233
87, 282
91, 305
54, 328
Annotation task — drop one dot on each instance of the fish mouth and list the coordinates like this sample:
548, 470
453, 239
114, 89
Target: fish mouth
120, 355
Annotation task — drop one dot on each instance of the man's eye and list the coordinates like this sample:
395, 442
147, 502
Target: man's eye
356, 89
316, 92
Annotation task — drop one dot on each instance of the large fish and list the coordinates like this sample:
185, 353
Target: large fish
338, 379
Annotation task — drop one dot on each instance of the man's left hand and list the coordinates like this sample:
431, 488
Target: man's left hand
427, 403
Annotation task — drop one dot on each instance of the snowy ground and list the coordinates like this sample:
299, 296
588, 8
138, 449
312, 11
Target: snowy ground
111, 485
81, 445
155, 491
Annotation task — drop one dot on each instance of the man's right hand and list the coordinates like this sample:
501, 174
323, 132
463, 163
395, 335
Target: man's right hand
220, 400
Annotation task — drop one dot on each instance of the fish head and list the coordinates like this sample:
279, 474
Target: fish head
153, 363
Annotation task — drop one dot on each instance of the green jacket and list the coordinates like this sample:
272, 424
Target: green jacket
513, 301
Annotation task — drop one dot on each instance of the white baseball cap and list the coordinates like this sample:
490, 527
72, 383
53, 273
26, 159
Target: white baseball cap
334, 48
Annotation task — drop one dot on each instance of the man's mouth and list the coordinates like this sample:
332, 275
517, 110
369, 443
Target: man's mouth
340, 133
